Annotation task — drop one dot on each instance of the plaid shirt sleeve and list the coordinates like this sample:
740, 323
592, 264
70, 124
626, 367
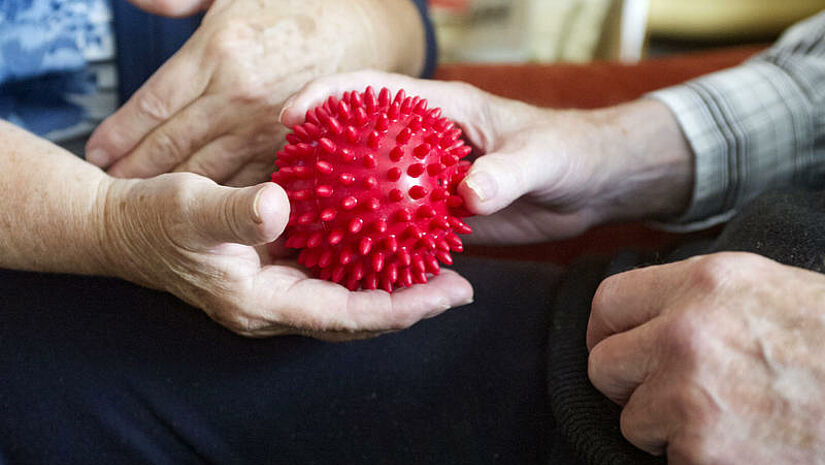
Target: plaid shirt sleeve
756, 126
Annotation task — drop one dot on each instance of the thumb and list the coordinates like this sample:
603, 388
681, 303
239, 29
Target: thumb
496, 180
251, 215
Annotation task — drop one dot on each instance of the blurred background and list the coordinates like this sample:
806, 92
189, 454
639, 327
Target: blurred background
517, 31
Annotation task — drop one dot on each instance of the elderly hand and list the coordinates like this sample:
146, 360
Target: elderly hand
207, 245
717, 359
212, 109
544, 174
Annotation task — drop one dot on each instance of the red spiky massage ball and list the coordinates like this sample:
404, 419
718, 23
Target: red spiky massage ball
372, 188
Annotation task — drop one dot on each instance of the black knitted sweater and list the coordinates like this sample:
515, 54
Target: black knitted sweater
785, 226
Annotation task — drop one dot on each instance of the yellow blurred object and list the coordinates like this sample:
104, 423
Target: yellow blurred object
565, 30
726, 19
539, 30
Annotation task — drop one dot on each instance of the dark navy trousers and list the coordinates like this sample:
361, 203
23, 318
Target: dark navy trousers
96, 370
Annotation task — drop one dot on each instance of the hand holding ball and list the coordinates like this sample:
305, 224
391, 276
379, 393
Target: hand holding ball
372, 187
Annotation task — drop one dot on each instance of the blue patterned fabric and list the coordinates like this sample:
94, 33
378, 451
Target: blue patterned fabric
45, 46
160, 38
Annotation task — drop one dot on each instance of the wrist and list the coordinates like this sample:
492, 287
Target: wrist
647, 163
111, 224
105, 205
53, 207
97, 230
394, 35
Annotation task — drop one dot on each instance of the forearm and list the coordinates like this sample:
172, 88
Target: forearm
51, 218
647, 167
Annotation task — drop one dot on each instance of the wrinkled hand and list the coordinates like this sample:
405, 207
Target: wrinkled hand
717, 359
207, 245
212, 109
538, 174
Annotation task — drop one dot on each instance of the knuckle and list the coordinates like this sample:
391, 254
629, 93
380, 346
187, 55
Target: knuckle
405, 317
595, 366
633, 424
703, 424
695, 425
231, 218
402, 322
685, 337
233, 317
229, 39
697, 446
181, 189
628, 425
232, 41
225, 310
208, 166
240, 324
605, 295
698, 420
711, 272
256, 143
152, 105
164, 149
462, 87
475, 97
169, 198
267, 136
250, 88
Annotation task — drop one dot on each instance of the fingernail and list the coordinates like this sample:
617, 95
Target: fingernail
256, 206
466, 302
97, 157
284, 108
483, 185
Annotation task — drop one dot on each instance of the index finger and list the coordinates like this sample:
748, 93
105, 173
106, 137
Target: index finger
626, 300
620, 363
173, 86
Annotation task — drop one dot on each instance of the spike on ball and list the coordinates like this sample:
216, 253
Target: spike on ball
372, 181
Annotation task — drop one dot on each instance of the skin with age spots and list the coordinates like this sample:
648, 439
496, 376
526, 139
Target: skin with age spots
246, 58
728, 359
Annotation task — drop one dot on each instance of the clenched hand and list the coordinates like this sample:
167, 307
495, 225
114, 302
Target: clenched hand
716, 359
